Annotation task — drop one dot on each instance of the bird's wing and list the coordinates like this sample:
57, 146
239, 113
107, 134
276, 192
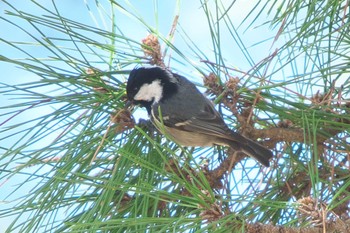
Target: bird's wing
189, 110
203, 119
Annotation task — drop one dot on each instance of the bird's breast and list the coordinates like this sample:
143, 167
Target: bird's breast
182, 137
186, 138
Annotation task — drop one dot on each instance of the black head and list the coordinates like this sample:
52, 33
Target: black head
149, 85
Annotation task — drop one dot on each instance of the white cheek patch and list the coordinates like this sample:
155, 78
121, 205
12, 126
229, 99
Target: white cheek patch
150, 92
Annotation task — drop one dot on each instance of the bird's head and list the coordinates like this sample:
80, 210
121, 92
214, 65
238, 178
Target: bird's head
147, 86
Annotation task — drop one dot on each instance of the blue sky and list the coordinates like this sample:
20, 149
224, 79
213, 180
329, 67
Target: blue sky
192, 20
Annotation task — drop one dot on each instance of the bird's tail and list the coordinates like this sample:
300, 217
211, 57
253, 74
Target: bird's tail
251, 148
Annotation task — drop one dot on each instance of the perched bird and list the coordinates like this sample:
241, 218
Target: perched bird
178, 109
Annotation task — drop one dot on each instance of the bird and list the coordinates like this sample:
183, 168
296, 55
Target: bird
179, 110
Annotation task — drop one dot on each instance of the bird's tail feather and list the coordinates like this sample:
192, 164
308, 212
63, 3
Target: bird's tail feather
253, 149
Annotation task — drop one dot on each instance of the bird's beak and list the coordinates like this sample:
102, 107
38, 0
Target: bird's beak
128, 104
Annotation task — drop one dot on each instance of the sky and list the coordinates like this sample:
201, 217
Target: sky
192, 20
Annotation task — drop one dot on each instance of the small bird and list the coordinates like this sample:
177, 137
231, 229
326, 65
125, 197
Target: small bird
179, 110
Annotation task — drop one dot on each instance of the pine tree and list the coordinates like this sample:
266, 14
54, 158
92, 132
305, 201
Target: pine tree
74, 159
